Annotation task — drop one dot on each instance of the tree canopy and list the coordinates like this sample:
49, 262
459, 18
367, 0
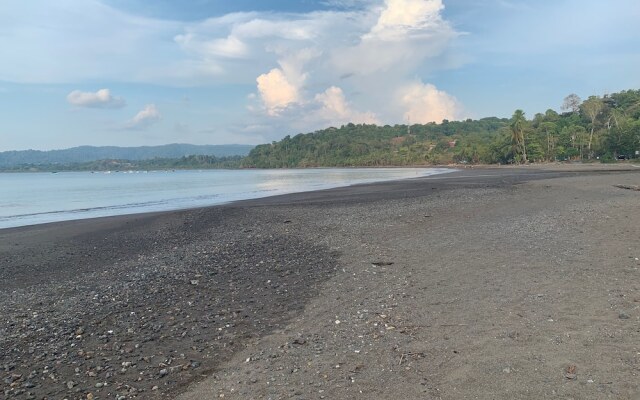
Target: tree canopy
604, 127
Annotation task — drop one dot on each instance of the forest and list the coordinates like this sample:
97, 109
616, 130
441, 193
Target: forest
599, 129
154, 164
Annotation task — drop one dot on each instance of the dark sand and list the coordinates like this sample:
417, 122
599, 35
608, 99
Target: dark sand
483, 283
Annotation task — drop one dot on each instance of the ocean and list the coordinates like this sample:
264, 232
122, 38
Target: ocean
36, 198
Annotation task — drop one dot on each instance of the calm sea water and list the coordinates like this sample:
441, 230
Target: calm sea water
35, 198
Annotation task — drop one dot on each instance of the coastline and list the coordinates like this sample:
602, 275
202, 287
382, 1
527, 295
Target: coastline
78, 195
191, 295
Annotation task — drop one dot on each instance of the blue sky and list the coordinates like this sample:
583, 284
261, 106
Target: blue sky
134, 72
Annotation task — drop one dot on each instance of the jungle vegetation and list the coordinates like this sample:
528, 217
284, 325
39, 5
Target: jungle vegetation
603, 129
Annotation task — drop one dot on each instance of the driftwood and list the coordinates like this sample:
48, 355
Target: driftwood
628, 187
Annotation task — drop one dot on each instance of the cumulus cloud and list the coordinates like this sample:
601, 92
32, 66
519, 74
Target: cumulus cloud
400, 18
379, 53
100, 99
281, 87
308, 69
146, 117
276, 91
404, 33
425, 103
336, 110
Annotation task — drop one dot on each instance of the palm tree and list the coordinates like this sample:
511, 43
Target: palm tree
518, 122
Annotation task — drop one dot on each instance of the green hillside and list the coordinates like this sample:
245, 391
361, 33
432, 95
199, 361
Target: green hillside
85, 155
599, 128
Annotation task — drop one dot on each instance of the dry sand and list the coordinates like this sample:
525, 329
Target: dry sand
480, 284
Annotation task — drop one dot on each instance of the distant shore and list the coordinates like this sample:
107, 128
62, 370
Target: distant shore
477, 282
123, 168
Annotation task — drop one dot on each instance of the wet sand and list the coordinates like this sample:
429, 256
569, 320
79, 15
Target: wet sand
481, 283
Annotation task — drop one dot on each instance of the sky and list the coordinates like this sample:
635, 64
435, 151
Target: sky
150, 72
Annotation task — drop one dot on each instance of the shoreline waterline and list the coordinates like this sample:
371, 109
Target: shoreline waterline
41, 198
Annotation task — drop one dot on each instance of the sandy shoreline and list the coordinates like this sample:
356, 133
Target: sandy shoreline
502, 281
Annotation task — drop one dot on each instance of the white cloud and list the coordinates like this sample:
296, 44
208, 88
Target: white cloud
276, 91
308, 69
281, 87
100, 99
229, 47
335, 110
425, 103
371, 53
403, 35
400, 18
146, 117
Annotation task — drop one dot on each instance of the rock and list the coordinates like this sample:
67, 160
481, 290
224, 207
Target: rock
71, 384
623, 315
164, 372
570, 373
99, 385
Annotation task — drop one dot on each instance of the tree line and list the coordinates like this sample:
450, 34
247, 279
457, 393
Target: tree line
604, 128
185, 162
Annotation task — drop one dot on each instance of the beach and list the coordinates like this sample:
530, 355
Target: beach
476, 284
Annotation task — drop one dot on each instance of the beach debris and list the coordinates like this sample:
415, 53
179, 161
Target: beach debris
382, 263
299, 340
623, 315
628, 187
286, 221
570, 372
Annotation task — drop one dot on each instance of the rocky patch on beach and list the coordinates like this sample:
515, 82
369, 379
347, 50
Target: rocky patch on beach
167, 315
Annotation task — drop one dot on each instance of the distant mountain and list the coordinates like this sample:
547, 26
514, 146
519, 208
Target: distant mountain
84, 154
